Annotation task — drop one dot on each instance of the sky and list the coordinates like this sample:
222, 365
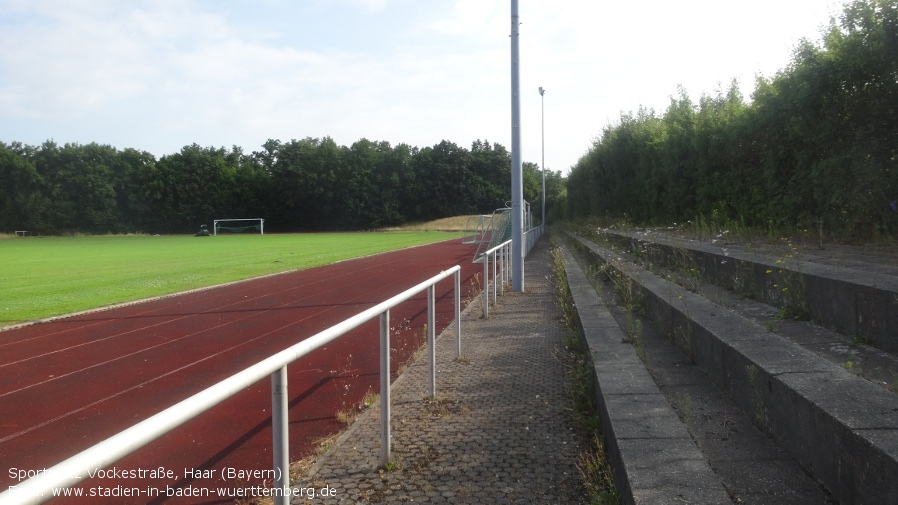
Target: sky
158, 75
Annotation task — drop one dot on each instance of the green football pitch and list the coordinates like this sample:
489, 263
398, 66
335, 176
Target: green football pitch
43, 277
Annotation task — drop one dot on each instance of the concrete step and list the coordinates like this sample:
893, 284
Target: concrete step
854, 293
653, 457
848, 351
750, 466
841, 428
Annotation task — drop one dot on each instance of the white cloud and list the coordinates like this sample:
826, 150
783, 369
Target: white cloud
365, 5
159, 75
474, 17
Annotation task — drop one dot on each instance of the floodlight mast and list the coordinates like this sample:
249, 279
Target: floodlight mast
517, 178
542, 99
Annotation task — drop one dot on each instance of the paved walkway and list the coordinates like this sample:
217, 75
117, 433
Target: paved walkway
497, 431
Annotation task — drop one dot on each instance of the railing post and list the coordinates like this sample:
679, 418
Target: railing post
457, 314
486, 286
431, 339
501, 279
280, 427
506, 258
495, 279
385, 387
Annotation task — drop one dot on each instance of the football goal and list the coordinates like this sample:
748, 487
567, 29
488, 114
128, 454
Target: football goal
245, 225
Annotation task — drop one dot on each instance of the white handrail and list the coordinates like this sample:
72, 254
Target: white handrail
504, 271
39, 489
501, 258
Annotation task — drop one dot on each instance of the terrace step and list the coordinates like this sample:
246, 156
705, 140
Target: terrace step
850, 352
854, 292
841, 429
653, 458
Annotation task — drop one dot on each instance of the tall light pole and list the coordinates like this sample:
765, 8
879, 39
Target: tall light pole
542, 99
517, 171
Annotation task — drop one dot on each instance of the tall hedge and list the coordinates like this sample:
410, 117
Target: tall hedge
816, 146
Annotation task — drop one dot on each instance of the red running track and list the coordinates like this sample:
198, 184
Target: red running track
71, 383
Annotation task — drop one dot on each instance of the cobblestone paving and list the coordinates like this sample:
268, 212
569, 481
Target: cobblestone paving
497, 431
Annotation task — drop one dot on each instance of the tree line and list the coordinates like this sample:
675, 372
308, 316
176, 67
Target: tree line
302, 185
815, 148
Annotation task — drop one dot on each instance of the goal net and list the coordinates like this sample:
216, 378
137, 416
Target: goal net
244, 225
475, 229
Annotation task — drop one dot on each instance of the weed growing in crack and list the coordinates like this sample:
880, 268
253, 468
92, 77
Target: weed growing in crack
630, 296
686, 268
441, 407
593, 465
788, 285
563, 296
596, 473
348, 416
347, 370
370, 399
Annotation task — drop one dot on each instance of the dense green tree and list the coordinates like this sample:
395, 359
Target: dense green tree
295, 185
133, 180
816, 147
23, 205
308, 184
393, 165
556, 196
78, 182
446, 167
360, 185
491, 167
533, 186
204, 184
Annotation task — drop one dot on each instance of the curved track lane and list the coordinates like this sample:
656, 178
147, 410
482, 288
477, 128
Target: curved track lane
68, 384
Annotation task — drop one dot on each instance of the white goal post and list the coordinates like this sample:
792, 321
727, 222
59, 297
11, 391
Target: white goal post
260, 226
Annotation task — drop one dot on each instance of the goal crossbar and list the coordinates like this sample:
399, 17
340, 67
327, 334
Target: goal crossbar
261, 221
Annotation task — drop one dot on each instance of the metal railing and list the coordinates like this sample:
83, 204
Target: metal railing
68, 473
531, 237
501, 263
501, 274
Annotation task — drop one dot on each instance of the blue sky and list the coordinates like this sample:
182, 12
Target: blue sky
157, 75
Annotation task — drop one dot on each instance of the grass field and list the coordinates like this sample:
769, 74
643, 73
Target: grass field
43, 277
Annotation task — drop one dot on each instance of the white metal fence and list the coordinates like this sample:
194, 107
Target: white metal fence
500, 259
71, 471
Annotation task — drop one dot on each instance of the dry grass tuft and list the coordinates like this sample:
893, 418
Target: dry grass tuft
456, 223
348, 417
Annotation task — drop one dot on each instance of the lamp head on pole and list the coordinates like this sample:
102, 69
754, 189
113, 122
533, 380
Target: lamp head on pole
541, 91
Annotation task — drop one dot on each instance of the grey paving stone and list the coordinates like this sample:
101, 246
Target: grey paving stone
497, 431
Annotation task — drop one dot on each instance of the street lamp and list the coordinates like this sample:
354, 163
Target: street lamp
542, 99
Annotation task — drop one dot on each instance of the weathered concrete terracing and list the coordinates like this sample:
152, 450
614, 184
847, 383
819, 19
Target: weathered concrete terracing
857, 296
843, 429
653, 457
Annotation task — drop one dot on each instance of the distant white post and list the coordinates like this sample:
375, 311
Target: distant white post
517, 170
542, 99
